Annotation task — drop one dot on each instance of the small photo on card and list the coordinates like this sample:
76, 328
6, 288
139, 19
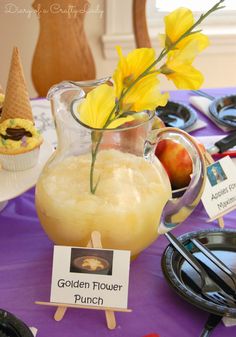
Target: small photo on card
91, 261
216, 174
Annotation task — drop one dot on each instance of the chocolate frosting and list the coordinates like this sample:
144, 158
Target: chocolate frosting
16, 134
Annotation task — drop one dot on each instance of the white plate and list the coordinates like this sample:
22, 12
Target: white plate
15, 183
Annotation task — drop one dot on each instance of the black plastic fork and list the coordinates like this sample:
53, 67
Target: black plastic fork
209, 289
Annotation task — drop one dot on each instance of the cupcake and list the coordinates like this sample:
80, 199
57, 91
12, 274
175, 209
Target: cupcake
19, 139
19, 144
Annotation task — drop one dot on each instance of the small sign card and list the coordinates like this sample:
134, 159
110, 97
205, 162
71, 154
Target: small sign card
90, 277
219, 196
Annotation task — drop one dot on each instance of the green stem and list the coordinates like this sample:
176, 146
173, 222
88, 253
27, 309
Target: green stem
146, 72
94, 156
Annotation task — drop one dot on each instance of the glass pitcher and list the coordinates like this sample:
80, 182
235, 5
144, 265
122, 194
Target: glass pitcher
131, 203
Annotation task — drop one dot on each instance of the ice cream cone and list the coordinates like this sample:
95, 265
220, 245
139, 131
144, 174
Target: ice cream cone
16, 102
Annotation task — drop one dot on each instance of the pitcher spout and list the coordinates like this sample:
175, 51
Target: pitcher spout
57, 89
82, 87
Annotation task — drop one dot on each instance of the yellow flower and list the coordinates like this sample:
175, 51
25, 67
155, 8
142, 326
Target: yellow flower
145, 94
131, 66
96, 108
176, 24
179, 69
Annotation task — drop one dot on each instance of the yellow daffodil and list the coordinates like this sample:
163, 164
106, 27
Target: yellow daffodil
145, 94
131, 66
176, 24
96, 109
179, 69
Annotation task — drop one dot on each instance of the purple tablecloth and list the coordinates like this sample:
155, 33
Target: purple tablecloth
25, 276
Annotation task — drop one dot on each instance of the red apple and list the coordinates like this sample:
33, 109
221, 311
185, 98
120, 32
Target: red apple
176, 162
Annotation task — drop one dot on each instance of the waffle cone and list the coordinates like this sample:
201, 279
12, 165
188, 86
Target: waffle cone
16, 102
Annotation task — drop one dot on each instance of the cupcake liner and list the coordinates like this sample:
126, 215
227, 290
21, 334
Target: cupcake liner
21, 161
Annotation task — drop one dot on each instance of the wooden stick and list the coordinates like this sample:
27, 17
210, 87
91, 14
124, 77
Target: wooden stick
60, 312
89, 244
221, 222
96, 239
209, 161
110, 318
55, 304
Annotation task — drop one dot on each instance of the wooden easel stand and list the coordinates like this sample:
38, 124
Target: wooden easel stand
95, 242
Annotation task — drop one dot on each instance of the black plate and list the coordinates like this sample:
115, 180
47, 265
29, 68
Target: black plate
11, 326
177, 115
223, 109
175, 268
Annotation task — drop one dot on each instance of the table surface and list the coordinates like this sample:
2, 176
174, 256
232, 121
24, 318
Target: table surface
25, 275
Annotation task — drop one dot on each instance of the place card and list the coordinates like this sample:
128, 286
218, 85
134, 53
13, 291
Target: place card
90, 277
219, 196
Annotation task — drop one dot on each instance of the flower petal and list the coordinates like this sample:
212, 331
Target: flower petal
187, 77
174, 30
201, 41
178, 22
97, 106
145, 95
119, 121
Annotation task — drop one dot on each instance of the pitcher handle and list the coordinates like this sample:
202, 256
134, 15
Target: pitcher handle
177, 210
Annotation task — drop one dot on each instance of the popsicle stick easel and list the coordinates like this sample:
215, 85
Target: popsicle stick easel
94, 242
209, 160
